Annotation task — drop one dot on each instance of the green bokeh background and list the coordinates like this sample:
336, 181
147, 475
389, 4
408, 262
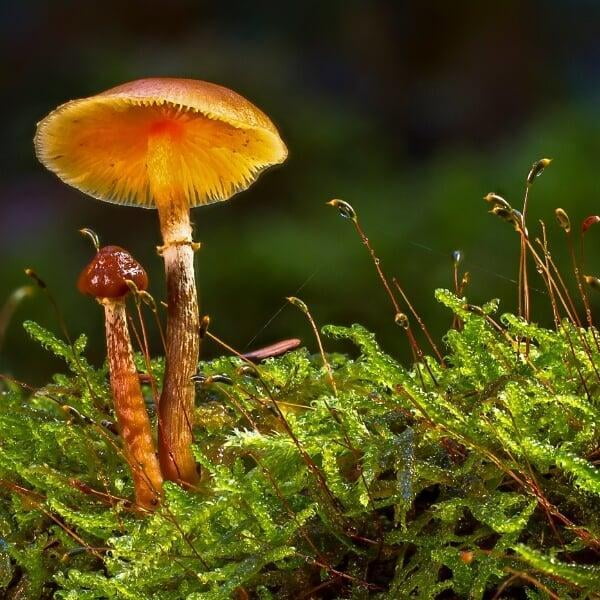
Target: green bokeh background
411, 111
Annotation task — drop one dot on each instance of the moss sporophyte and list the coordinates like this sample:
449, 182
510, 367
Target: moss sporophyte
469, 473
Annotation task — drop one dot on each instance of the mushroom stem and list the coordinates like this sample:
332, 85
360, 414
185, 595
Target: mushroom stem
176, 407
134, 424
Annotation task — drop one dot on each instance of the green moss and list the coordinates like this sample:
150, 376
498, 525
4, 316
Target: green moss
407, 483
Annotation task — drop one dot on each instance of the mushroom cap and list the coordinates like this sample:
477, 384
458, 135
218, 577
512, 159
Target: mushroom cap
99, 144
107, 273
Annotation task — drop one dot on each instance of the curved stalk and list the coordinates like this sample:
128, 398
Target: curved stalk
175, 413
132, 417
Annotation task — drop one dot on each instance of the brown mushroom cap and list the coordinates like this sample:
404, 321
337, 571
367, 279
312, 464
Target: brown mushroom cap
219, 139
106, 274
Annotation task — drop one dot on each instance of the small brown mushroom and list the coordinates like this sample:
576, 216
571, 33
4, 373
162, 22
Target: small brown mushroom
105, 278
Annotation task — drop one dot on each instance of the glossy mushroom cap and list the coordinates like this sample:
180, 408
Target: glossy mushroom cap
106, 275
99, 144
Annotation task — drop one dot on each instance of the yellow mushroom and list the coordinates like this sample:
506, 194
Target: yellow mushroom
169, 144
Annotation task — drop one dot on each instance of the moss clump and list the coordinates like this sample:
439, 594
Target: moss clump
463, 481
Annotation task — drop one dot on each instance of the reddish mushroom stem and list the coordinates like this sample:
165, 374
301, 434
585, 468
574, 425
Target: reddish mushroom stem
106, 279
130, 409
176, 407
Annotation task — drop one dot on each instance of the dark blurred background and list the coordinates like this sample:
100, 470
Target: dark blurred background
409, 110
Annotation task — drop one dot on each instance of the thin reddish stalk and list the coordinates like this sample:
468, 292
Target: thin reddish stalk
130, 409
